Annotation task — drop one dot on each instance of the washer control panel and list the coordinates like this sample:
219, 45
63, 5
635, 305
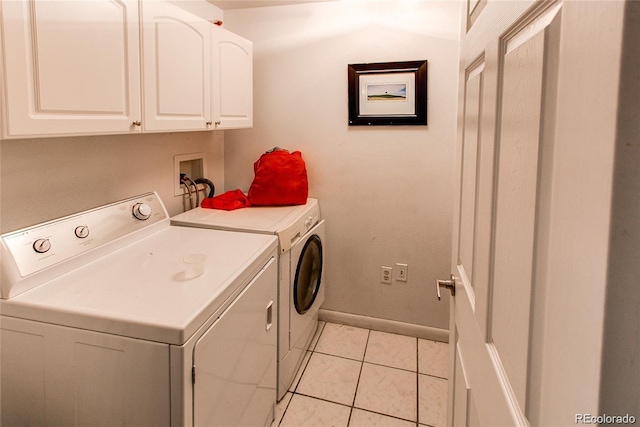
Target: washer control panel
311, 220
39, 247
291, 234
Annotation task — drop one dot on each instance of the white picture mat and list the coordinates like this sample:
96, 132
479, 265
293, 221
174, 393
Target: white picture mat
392, 107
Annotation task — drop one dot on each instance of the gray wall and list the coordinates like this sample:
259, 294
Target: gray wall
385, 192
46, 178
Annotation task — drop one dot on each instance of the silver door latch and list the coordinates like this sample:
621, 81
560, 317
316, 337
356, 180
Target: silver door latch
449, 284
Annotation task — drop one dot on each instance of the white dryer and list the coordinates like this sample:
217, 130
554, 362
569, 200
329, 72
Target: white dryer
103, 323
301, 238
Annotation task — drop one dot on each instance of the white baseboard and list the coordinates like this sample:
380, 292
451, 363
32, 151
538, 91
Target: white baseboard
383, 325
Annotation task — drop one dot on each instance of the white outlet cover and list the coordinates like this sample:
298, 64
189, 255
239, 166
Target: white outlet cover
386, 274
402, 272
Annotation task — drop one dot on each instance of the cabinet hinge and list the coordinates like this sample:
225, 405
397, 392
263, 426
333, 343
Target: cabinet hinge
193, 374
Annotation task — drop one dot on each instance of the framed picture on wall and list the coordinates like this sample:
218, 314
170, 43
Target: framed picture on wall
388, 93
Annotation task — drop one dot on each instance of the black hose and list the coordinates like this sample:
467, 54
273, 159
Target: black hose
205, 181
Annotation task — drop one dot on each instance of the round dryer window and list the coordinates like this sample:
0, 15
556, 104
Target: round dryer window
308, 275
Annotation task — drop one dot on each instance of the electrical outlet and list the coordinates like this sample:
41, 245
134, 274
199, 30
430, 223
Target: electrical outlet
401, 272
386, 274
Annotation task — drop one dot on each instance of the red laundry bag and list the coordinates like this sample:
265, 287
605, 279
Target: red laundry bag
280, 179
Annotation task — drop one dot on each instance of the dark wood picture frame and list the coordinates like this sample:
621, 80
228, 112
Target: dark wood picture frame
388, 93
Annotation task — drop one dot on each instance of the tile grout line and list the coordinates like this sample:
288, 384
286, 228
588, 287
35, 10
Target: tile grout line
348, 358
353, 402
312, 350
293, 393
353, 407
417, 382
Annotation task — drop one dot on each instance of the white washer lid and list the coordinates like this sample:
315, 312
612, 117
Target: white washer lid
140, 291
286, 222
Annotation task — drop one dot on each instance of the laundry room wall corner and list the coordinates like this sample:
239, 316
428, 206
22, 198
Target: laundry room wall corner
384, 191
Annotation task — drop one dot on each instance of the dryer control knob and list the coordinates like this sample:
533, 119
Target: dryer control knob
82, 231
141, 211
42, 245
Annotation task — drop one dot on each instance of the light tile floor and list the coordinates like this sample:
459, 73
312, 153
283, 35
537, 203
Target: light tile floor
358, 377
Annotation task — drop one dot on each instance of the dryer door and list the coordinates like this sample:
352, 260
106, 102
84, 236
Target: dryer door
308, 275
235, 359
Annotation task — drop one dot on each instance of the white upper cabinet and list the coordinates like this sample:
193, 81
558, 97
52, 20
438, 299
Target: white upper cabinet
232, 80
71, 67
120, 66
176, 68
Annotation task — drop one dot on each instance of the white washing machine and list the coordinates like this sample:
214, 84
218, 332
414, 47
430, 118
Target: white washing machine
104, 322
300, 233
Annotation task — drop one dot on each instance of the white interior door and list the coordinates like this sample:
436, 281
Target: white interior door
534, 164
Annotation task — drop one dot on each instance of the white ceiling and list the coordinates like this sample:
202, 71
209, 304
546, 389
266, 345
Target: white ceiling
243, 4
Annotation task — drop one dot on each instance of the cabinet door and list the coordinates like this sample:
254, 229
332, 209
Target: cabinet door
55, 375
176, 68
235, 360
232, 80
71, 67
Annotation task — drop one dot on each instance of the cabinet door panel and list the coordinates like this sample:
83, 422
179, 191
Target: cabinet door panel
71, 67
56, 375
232, 80
177, 66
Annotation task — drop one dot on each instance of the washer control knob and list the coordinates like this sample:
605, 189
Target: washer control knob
141, 211
82, 231
41, 245
308, 222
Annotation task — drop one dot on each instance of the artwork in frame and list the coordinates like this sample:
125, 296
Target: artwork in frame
388, 93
